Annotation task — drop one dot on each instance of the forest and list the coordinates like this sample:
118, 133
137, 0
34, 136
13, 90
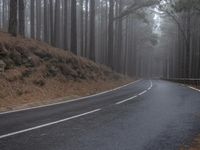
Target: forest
99, 74
140, 38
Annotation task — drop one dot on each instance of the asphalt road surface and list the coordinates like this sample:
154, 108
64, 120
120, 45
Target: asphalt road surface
145, 115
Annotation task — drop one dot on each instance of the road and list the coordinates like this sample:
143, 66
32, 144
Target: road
145, 115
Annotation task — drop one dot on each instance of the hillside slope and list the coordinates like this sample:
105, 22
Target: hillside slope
35, 73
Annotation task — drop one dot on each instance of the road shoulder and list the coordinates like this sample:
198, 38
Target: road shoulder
80, 92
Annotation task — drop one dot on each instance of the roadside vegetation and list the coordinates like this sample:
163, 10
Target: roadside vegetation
36, 73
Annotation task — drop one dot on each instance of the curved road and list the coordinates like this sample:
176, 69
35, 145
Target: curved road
145, 115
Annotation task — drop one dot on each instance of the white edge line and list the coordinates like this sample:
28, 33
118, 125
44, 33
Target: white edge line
142, 92
131, 98
67, 101
48, 124
126, 100
194, 88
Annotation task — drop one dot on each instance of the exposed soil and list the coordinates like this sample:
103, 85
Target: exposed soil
195, 145
36, 73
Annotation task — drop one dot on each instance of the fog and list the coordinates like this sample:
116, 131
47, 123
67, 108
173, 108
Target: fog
139, 38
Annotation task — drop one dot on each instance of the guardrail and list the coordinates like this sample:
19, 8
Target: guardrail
188, 81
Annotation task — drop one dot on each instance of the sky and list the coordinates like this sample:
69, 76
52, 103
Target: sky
157, 22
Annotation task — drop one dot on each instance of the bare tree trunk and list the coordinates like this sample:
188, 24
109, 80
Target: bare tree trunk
12, 29
86, 28
73, 46
188, 44
38, 19
81, 27
119, 39
110, 34
5, 15
92, 30
52, 21
32, 19
46, 21
57, 24
21, 18
66, 24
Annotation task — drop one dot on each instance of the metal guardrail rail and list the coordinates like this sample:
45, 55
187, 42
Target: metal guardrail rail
188, 81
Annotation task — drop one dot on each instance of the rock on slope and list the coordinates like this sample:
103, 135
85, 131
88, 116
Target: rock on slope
32, 55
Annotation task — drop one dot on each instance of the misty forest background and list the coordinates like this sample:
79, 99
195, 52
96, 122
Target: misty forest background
148, 38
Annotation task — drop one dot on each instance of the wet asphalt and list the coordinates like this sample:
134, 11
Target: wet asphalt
164, 118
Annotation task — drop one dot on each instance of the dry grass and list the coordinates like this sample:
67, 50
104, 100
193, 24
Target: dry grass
20, 94
36, 73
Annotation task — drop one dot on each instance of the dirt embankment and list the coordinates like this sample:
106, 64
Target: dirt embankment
195, 145
36, 73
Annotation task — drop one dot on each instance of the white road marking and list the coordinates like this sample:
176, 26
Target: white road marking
126, 100
131, 98
142, 93
194, 88
68, 101
47, 124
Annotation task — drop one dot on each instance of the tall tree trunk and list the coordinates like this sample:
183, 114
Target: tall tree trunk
52, 21
21, 18
86, 28
12, 29
5, 14
57, 24
66, 24
32, 19
188, 44
110, 34
46, 21
73, 46
81, 26
38, 18
92, 30
119, 39
106, 60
